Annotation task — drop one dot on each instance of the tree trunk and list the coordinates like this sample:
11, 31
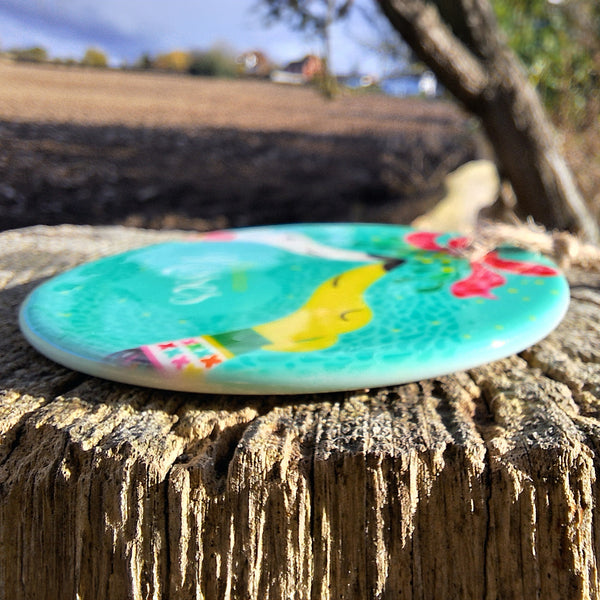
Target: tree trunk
462, 44
478, 485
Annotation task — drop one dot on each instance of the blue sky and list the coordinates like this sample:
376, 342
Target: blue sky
125, 29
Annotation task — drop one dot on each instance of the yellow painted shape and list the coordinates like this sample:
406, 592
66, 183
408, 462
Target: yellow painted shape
336, 307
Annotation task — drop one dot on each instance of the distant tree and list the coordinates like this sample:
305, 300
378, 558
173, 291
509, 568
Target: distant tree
144, 62
461, 42
314, 17
34, 54
176, 60
216, 62
254, 63
559, 43
94, 57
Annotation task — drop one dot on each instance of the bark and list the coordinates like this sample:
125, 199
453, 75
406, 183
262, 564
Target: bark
462, 44
481, 484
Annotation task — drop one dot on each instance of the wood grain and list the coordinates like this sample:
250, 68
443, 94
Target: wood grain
481, 484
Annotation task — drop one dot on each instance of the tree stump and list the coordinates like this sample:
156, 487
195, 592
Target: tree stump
481, 484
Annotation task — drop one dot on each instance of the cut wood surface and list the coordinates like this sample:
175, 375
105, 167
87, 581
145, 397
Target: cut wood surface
481, 484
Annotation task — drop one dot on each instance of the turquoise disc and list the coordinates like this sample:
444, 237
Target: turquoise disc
294, 309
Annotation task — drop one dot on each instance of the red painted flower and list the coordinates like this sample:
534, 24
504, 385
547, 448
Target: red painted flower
484, 276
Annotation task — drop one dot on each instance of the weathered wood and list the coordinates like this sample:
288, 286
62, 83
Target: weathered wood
481, 484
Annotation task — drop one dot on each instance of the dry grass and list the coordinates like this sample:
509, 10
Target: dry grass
77, 96
102, 97
155, 150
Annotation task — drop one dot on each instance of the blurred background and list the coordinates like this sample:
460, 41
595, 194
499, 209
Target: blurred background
201, 115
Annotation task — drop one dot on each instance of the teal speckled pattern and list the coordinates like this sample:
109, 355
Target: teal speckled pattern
291, 309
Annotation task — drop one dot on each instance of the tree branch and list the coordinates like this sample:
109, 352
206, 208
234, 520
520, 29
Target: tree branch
462, 44
433, 42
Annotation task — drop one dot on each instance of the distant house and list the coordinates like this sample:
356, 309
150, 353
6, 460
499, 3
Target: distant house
424, 84
309, 67
357, 81
254, 63
300, 71
428, 85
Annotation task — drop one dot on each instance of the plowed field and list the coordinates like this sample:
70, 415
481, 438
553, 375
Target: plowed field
158, 150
